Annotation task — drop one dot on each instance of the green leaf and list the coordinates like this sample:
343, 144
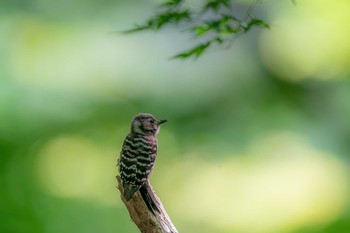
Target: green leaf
201, 29
169, 17
227, 30
216, 4
256, 22
162, 19
194, 52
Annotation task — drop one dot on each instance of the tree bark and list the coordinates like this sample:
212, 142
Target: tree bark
146, 220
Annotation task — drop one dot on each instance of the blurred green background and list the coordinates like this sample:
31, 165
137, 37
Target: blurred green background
258, 137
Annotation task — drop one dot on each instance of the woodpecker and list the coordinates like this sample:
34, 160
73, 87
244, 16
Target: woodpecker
138, 154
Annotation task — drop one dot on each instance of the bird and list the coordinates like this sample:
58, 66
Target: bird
138, 154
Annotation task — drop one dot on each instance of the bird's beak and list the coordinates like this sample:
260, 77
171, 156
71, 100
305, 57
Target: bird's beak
161, 122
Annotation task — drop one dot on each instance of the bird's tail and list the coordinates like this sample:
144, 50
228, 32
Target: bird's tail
146, 194
149, 198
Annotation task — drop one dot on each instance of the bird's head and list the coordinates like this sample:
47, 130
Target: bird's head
146, 124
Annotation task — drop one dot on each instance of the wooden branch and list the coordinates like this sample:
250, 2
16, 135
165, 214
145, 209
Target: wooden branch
146, 220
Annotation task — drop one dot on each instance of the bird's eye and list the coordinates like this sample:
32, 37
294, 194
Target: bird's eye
152, 121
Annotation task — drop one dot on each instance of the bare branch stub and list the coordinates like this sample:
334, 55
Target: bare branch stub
145, 220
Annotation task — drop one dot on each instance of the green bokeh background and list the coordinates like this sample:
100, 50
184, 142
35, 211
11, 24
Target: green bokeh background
258, 137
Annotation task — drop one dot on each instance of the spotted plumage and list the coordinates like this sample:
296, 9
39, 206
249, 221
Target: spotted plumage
138, 154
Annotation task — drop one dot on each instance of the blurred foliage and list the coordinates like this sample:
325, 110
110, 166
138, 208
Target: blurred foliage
257, 139
214, 22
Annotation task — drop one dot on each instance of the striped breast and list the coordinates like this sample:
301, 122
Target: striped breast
137, 158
